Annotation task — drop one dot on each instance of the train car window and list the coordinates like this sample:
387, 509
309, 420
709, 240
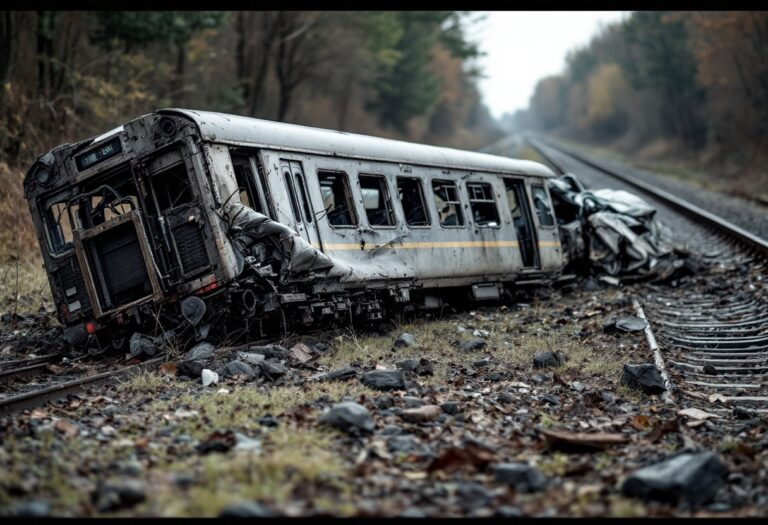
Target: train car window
292, 196
447, 203
59, 226
541, 203
482, 204
171, 187
337, 199
412, 198
378, 207
248, 194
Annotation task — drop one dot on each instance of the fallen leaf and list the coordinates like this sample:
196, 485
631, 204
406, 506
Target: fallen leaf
456, 458
670, 425
640, 422
69, 430
717, 398
168, 369
141, 442
695, 413
565, 439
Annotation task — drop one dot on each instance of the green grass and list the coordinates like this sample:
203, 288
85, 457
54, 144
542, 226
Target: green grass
24, 288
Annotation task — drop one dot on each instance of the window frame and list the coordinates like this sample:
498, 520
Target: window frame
350, 198
457, 202
422, 196
387, 201
492, 201
549, 206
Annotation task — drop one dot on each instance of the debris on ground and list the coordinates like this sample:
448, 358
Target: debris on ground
645, 377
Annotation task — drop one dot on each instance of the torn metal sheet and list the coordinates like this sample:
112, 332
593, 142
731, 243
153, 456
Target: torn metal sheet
611, 232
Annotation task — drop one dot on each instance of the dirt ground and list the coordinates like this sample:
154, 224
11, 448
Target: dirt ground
162, 444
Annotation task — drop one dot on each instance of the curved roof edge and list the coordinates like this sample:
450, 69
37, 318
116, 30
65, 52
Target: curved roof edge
248, 131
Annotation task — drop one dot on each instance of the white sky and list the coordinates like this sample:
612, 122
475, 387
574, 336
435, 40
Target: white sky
523, 46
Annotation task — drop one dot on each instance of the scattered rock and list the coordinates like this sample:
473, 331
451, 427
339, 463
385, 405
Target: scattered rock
238, 368
591, 285
693, 477
578, 386
407, 365
744, 413
643, 377
384, 380
301, 353
247, 509
272, 369
217, 442
335, 375
451, 408
244, 443
548, 359
199, 352
505, 398
709, 370
349, 417
190, 369
421, 414
404, 340
384, 402
408, 444
473, 344
625, 324
209, 377
521, 476
268, 420
481, 333
412, 402
29, 509
425, 368
120, 494
271, 352
141, 344
550, 399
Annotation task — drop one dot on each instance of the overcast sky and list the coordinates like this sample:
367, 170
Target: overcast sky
523, 46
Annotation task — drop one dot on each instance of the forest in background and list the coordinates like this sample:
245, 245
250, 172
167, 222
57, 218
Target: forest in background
668, 85
65, 76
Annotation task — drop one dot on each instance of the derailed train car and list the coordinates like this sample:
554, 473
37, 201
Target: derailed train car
221, 218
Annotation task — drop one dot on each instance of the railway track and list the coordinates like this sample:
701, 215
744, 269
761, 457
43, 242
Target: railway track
54, 386
712, 335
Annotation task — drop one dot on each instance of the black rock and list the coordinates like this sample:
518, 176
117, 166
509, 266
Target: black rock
710, 370
29, 509
271, 352
246, 509
548, 359
451, 407
425, 368
141, 344
404, 340
550, 399
384, 402
408, 444
521, 476
190, 369
482, 362
472, 494
744, 413
412, 402
199, 352
349, 417
335, 375
272, 369
625, 324
493, 376
477, 343
691, 476
384, 380
320, 348
408, 365
643, 377
391, 430
120, 494
506, 398
238, 367
268, 420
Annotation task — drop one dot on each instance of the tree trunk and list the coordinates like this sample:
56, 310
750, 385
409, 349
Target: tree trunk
181, 61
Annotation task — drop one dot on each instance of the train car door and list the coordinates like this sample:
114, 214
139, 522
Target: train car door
303, 211
517, 198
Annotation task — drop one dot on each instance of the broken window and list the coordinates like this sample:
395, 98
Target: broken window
541, 203
482, 204
412, 198
171, 187
59, 226
378, 207
337, 199
292, 195
308, 215
448, 203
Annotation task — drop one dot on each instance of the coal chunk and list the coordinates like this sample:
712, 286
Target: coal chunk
548, 359
349, 417
384, 380
272, 369
691, 476
408, 365
190, 369
477, 343
709, 370
643, 377
404, 340
199, 352
335, 375
120, 494
521, 476
246, 509
451, 407
239, 368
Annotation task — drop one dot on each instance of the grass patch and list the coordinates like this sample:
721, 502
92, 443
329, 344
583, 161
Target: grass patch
29, 293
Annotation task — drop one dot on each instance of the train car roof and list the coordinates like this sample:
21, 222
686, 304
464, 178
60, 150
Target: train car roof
248, 131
